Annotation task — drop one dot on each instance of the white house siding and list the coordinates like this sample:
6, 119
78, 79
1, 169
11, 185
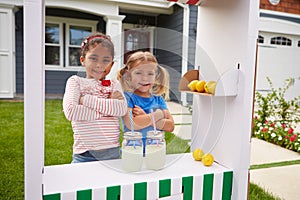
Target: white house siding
278, 62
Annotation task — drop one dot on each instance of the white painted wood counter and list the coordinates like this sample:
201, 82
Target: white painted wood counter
94, 179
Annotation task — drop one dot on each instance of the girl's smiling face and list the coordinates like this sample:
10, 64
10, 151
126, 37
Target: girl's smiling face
143, 78
98, 62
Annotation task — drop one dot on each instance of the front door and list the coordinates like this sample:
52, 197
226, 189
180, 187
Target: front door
7, 57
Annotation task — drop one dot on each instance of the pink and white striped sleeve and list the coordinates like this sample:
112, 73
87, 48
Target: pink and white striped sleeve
108, 107
72, 109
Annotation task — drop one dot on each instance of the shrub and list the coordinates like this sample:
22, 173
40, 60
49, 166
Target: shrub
276, 117
277, 133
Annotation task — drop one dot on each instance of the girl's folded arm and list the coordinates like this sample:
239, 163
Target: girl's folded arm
167, 123
143, 120
71, 106
110, 107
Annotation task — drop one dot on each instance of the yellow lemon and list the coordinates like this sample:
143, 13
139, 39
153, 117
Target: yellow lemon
210, 87
200, 86
207, 159
197, 154
192, 85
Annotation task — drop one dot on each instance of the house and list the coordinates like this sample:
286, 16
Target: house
159, 26
166, 28
279, 45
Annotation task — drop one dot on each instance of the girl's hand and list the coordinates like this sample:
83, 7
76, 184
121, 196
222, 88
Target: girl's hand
116, 95
167, 123
136, 111
159, 114
81, 100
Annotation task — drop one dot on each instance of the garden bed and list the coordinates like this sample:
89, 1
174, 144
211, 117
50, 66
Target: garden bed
276, 119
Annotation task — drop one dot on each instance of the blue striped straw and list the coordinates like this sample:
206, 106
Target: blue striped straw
131, 122
132, 126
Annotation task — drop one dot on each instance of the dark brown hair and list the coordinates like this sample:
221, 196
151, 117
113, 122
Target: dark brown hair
94, 39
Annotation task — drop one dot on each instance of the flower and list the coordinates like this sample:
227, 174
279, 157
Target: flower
293, 137
291, 130
106, 82
264, 130
273, 135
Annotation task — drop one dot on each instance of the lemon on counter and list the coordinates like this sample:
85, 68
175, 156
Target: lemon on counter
192, 85
207, 159
200, 86
197, 154
210, 87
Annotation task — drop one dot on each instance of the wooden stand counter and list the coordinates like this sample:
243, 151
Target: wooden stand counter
106, 180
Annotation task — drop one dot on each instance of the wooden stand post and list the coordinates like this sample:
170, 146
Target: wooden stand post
34, 87
227, 31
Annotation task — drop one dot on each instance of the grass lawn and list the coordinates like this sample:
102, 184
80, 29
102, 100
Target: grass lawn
58, 147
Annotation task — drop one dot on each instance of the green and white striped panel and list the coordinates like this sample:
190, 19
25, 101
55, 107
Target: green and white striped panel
206, 187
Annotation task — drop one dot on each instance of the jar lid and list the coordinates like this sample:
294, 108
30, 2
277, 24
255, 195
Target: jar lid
132, 135
155, 134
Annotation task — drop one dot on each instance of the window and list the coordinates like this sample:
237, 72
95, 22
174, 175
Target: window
281, 41
63, 37
53, 44
76, 36
299, 43
260, 39
135, 40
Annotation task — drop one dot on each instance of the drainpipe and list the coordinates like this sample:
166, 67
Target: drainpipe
185, 45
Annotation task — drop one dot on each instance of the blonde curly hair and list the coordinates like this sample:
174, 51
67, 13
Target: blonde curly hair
161, 85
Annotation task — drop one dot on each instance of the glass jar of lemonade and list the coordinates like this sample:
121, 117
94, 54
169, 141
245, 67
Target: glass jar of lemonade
155, 156
132, 151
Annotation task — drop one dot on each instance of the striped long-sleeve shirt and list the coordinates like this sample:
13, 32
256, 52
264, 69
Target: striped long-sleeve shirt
95, 123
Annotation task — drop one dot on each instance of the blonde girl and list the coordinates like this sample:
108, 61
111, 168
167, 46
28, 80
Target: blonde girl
146, 87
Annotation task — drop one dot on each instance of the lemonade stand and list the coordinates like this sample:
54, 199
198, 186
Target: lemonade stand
221, 123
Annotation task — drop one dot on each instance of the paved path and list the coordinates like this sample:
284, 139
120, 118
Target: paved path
183, 120
283, 182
